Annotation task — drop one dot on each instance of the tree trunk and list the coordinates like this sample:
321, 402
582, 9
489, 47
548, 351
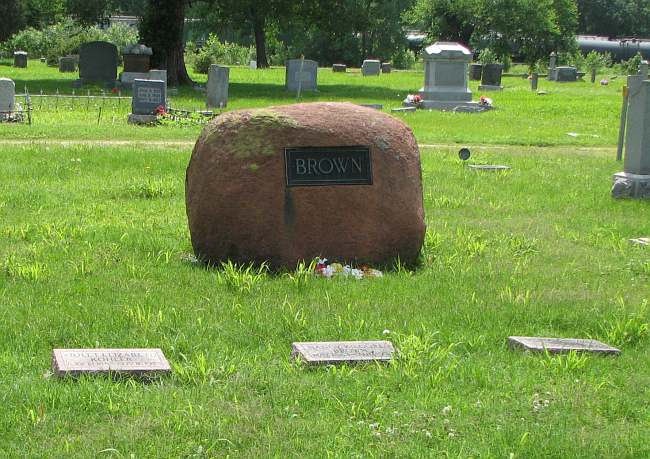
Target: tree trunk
162, 30
260, 39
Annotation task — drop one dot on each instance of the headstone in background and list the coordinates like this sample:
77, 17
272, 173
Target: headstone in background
643, 68
301, 73
634, 181
252, 65
566, 74
98, 62
355, 168
370, 67
20, 59
593, 75
534, 81
386, 67
67, 64
43, 60
561, 345
491, 77
339, 68
148, 96
446, 82
7, 97
137, 58
333, 352
138, 362
217, 87
552, 62
475, 72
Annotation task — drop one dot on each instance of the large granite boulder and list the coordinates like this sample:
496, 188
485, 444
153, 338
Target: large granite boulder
294, 182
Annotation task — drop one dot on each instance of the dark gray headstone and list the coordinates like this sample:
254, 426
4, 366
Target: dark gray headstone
142, 362
386, 67
343, 352
148, 95
475, 72
98, 61
217, 87
566, 74
301, 74
339, 68
20, 59
561, 345
491, 76
67, 64
534, 81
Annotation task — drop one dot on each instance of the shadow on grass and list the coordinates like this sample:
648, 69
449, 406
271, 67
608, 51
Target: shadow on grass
335, 91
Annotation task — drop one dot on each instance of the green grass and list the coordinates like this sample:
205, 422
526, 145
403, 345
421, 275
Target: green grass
521, 118
94, 253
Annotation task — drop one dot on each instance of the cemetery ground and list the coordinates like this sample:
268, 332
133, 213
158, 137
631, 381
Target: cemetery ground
95, 252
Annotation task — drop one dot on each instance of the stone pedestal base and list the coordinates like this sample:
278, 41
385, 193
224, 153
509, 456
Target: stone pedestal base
454, 106
141, 119
488, 87
631, 186
127, 78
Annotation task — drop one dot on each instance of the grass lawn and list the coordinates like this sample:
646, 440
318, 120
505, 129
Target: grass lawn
521, 118
94, 252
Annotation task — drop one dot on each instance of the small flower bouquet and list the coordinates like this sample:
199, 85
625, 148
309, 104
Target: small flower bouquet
413, 100
485, 101
328, 270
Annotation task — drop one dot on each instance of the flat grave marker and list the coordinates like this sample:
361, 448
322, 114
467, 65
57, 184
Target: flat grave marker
489, 167
331, 352
641, 241
561, 345
140, 362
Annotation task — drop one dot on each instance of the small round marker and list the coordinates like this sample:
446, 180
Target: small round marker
464, 154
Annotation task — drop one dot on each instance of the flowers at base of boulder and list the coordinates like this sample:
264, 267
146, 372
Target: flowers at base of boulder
485, 101
329, 270
413, 100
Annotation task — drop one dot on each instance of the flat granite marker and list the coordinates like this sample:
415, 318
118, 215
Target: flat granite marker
641, 241
330, 352
140, 362
560, 345
489, 167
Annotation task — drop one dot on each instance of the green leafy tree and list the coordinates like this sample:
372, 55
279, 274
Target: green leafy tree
12, 18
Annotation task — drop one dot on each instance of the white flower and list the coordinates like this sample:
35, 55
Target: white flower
446, 410
386, 332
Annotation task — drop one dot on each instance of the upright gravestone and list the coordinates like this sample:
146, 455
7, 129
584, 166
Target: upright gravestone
634, 181
386, 67
98, 62
149, 96
475, 72
290, 183
137, 58
339, 68
552, 62
370, 67
7, 97
491, 77
566, 74
217, 87
534, 81
301, 74
67, 64
20, 59
446, 85
156, 74
643, 68
252, 65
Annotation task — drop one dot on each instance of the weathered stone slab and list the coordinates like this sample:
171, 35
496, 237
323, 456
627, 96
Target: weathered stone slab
375, 106
370, 67
404, 109
339, 68
332, 352
140, 362
67, 64
301, 74
489, 167
641, 241
217, 87
7, 96
561, 345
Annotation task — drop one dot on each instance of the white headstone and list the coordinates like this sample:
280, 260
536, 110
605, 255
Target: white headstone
131, 361
253, 65
217, 87
7, 96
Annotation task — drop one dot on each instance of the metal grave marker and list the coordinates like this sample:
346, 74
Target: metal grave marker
307, 166
131, 361
343, 352
561, 345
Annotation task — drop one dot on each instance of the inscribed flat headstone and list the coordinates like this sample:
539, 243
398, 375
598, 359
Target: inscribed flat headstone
133, 361
489, 167
217, 87
148, 95
7, 95
98, 61
343, 351
641, 241
370, 67
559, 345
301, 73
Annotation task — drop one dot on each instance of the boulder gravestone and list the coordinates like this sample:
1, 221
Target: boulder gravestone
7, 97
20, 59
446, 85
370, 67
301, 74
291, 183
98, 62
634, 181
217, 87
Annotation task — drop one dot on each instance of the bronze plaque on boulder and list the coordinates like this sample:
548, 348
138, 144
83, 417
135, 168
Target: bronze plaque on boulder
142, 362
250, 194
328, 166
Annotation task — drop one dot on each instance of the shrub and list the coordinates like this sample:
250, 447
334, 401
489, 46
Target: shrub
216, 52
404, 59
